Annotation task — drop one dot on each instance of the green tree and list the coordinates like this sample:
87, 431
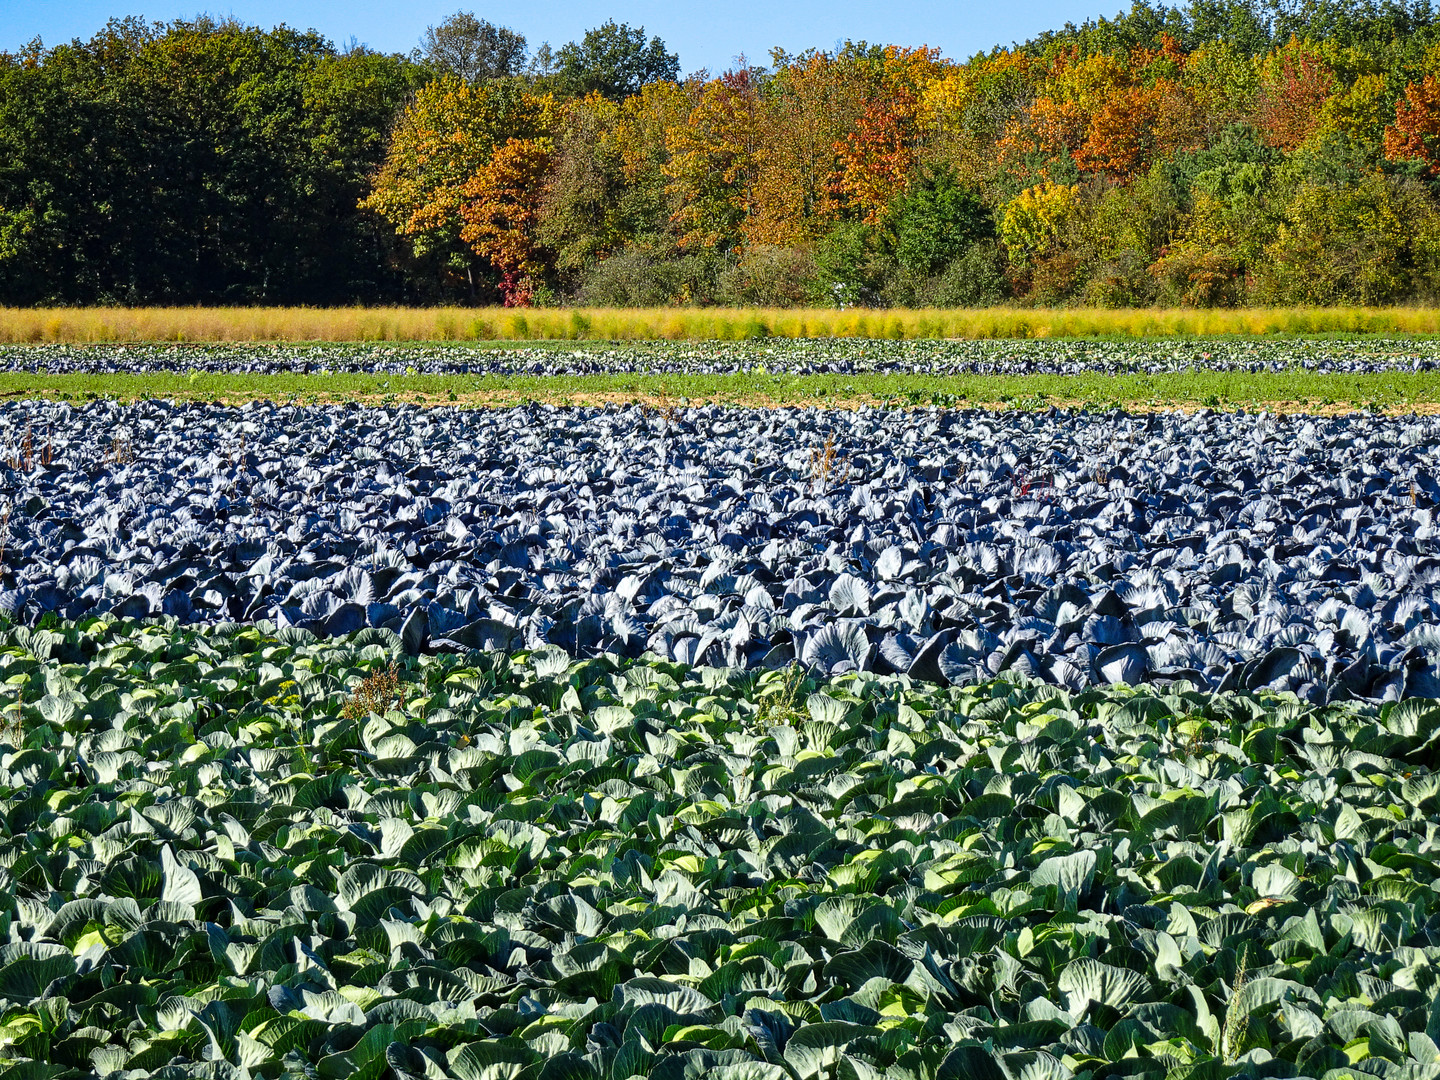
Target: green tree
194, 162
580, 217
936, 220
614, 60
852, 266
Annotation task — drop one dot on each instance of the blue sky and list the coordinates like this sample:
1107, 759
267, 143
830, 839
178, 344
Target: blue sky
704, 34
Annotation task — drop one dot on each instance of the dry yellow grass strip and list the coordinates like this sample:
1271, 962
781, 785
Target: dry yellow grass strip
97, 325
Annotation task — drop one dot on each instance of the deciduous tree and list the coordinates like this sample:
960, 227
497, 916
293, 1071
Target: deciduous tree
878, 154
1415, 134
809, 104
714, 158
615, 60
442, 139
474, 50
499, 208
1295, 82
194, 162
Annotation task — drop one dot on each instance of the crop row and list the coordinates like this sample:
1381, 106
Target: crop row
230, 853
1220, 549
816, 356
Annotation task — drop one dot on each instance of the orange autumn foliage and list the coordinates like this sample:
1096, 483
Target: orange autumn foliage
1415, 135
1137, 126
812, 101
877, 155
814, 178
439, 139
1295, 86
500, 204
1051, 127
1113, 115
453, 175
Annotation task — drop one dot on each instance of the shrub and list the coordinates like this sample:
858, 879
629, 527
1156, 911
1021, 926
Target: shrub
1120, 280
974, 279
633, 278
1372, 242
851, 266
1031, 222
767, 275
1055, 278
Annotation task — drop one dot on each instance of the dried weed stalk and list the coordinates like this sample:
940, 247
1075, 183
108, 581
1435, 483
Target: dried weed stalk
827, 465
235, 452
122, 450
28, 454
378, 692
1237, 1023
665, 407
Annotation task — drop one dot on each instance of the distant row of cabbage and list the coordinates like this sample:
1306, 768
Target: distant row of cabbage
1222, 550
815, 356
228, 853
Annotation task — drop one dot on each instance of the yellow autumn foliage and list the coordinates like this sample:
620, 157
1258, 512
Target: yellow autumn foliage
1031, 221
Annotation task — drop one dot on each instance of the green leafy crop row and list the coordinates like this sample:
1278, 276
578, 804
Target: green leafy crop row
217, 859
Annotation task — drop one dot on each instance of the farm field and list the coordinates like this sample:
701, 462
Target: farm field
655, 722
1216, 547
233, 851
1312, 375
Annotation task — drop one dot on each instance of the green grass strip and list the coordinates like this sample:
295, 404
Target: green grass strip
1195, 389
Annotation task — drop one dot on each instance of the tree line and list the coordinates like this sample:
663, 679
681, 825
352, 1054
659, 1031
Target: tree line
1223, 152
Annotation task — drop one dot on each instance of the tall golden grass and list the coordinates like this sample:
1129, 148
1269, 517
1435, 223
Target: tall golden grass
199, 324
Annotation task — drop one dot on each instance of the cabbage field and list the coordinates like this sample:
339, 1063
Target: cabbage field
1224, 549
807, 357
233, 851
678, 741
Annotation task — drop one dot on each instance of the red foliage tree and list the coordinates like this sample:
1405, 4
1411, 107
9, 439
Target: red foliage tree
1297, 83
501, 202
